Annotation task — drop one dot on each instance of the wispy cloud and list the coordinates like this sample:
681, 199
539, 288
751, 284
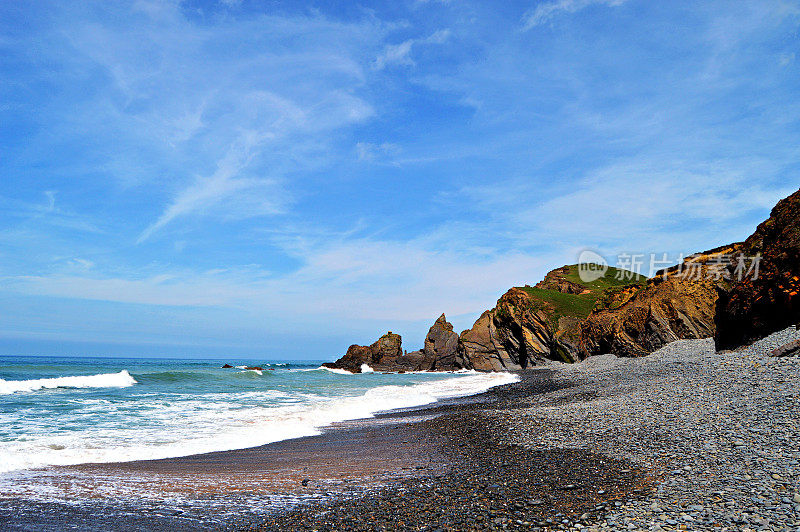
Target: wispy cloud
225, 183
643, 206
546, 11
339, 171
368, 151
221, 120
400, 54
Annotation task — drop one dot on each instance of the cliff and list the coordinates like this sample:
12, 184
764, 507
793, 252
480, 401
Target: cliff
677, 304
527, 326
760, 304
532, 324
735, 293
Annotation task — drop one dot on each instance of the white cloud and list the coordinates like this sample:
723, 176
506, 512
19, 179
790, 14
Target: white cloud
83, 264
547, 10
224, 184
642, 205
222, 113
368, 151
400, 54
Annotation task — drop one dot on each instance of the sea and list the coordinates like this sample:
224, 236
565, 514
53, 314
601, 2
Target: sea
57, 411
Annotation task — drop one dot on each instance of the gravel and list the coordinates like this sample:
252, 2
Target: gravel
718, 430
684, 439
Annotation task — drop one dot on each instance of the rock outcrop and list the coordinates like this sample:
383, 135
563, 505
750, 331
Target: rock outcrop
677, 304
735, 293
441, 347
383, 355
759, 305
532, 324
439, 354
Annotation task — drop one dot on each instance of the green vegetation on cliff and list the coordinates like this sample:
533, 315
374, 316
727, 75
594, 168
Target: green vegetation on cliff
563, 293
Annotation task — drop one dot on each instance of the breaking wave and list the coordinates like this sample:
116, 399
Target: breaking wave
181, 428
122, 379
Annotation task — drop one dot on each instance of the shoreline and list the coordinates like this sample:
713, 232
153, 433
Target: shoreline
266, 477
685, 439
394, 454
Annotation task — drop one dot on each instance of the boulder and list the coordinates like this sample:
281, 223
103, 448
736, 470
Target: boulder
380, 356
786, 350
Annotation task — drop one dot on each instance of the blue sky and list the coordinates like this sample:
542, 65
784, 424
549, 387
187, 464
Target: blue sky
282, 179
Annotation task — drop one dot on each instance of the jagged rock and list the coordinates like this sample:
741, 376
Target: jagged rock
532, 324
726, 300
480, 348
754, 308
382, 355
226, 366
441, 347
513, 335
439, 354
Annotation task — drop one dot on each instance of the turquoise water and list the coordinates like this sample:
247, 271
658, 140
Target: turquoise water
62, 411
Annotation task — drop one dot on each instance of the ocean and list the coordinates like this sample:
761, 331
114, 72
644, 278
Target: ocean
57, 411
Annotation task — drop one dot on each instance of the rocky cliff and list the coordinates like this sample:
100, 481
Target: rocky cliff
722, 293
678, 303
735, 293
532, 324
763, 303
527, 326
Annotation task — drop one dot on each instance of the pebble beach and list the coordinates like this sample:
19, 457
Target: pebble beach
684, 439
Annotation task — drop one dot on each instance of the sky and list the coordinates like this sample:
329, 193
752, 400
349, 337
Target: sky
283, 179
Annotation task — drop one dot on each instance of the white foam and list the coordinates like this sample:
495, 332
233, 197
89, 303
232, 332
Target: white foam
184, 428
366, 369
332, 370
104, 380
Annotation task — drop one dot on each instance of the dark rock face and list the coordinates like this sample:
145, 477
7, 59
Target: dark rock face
753, 308
729, 303
439, 354
481, 349
512, 336
533, 324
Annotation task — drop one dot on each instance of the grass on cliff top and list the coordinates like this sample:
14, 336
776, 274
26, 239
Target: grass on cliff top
559, 304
